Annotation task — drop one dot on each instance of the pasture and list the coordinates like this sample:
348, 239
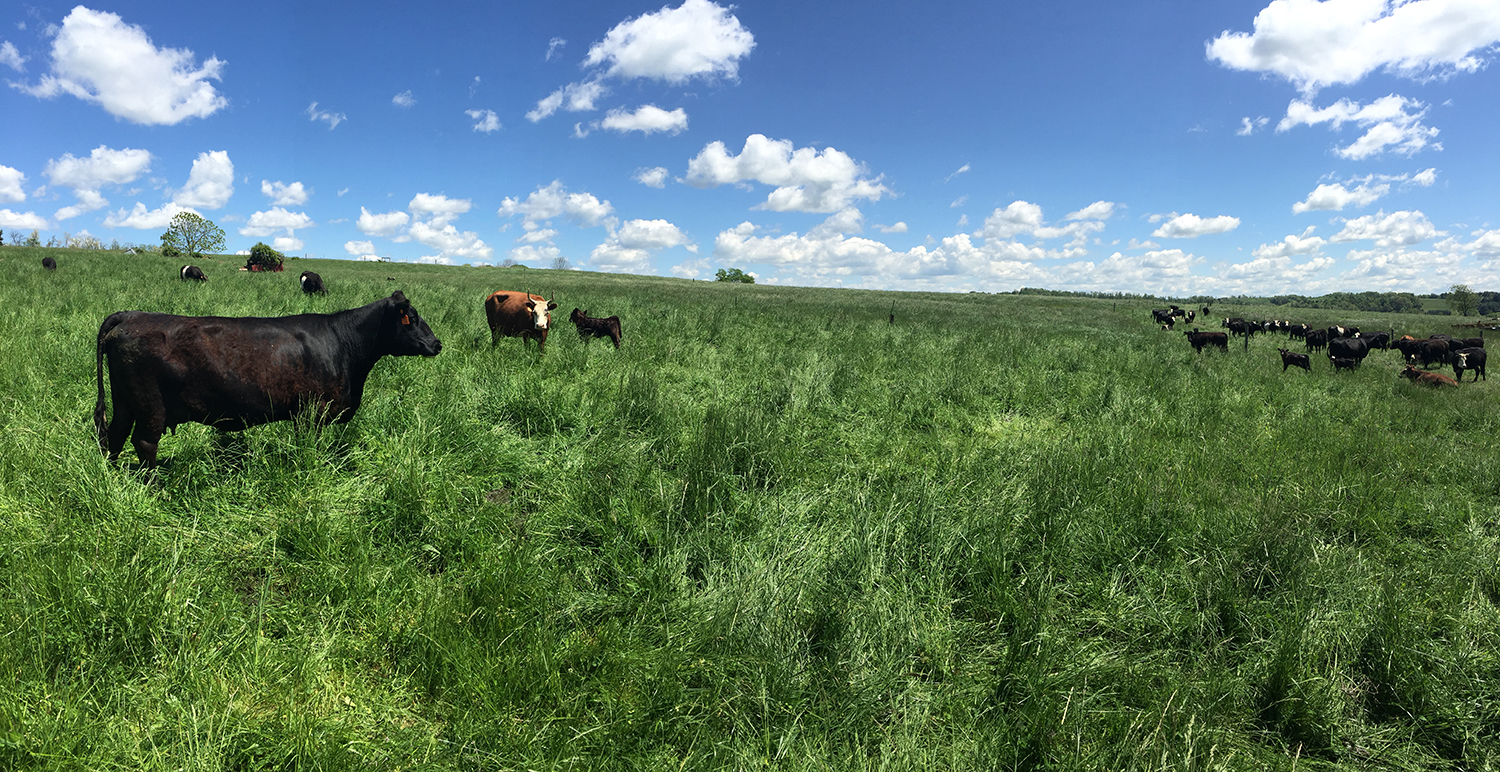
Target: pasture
773, 530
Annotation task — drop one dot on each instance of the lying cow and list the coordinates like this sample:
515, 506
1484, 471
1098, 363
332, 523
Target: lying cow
234, 373
1429, 379
1468, 359
519, 314
590, 328
49, 263
1201, 339
191, 273
312, 283
1293, 359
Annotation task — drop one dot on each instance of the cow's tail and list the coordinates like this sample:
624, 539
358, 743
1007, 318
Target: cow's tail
100, 424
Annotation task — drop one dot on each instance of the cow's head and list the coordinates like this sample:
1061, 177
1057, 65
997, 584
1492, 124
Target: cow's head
538, 307
1411, 372
409, 334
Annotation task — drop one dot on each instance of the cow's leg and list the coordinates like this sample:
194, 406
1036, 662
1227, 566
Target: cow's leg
118, 430
148, 431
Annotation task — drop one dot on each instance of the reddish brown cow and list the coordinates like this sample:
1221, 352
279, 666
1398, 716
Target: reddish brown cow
519, 314
1430, 379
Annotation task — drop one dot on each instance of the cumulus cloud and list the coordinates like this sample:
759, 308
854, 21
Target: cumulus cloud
1403, 270
1270, 273
1397, 229
404, 99
332, 119
1190, 226
1392, 123
1316, 44
1305, 244
1099, 210
1334, 197
263, 224
103, 166
574, 97
555, 201
630, 247
647, 119
1249, 125
10, 184
282, 194
691, 269
359, 247
100, 59
450, 241
806, 180
386, 225
899, 227
484, 120
655, 177
698, 39
286, 244
210, 184
141, 218
12, 58
22, 220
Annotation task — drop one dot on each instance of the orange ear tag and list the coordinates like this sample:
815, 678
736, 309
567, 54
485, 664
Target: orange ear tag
405, 319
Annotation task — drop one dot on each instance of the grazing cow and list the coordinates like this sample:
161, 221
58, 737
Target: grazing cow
1316, 339
312, 283
1161, 315
1340, 363
1430, 379
191, 273
1380, 340
1201, 339
1468, 359
1291, 359
1170, 323
234, 373
1352, 348
1429, 351
49, 263
519, 314
590, 328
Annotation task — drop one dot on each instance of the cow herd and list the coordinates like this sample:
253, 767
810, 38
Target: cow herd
232, 373
1347, 346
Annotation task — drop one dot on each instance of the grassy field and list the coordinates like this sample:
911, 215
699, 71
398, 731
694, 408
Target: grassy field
774, 530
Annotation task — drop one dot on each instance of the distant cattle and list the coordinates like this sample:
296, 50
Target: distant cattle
519, 314
1292, 359
234, 373
1201, 339
49, 263
1429, 352
1429, 379
1340, 363
312, 283
1206, 312
1162, 315
590, 328
191, 273
1340, 331
1240, 327
1298, 331
1351, 348
1468, 359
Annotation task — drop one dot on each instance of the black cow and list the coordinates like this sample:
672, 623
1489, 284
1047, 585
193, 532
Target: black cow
1380, 340
1292, 359
1341, 363
312, 283
1468, 359
1454, 344
1201, 339
191, 273
234, 373
1298, 331
590, 328
1350, 348
49, 263
1161, 315
1239, 326
1316, 339
1429, 351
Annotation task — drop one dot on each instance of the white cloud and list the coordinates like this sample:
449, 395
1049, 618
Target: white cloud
210, 184
1099, 210
554, 201
1334, 197
956, 172
806, 180
536, 234
1403, 270
22, 220
1391, 122
404, 99
1269, 273
141, 218
1316, 44
452, 243
698, 39
263, 224
1424, 178
958, 202
648, 119
484, 120
1025, 218
1189, 226
10, 184
100, 59
1249, 125
630, 247
370, 258
552, 46
437, 209
655, 177
282, 194
1018, 218
88, 201
332, 119
574, 97
536, 256
359, 247
385, 225
899, 227
1486, 244
1305, 244
691, 269
12, 58
286, 244
103, 166
1397, 229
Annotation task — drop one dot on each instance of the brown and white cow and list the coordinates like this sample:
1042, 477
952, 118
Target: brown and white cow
518, 315
1430, 379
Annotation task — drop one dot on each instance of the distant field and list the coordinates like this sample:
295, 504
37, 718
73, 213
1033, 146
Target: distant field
773, 530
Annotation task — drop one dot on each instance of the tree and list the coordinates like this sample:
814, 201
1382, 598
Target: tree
561, 263
734, 275
34, 240
265, 258
191, 234
1462, 300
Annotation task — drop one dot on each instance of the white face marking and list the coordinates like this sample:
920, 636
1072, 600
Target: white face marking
538, 311
1463, 360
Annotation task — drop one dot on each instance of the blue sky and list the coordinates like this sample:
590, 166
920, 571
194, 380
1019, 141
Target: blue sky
1175, 148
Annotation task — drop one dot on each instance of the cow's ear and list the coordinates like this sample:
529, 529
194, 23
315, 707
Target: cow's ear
551, 306
400, 298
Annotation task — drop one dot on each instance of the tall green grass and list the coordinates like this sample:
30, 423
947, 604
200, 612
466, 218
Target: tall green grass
773, 530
